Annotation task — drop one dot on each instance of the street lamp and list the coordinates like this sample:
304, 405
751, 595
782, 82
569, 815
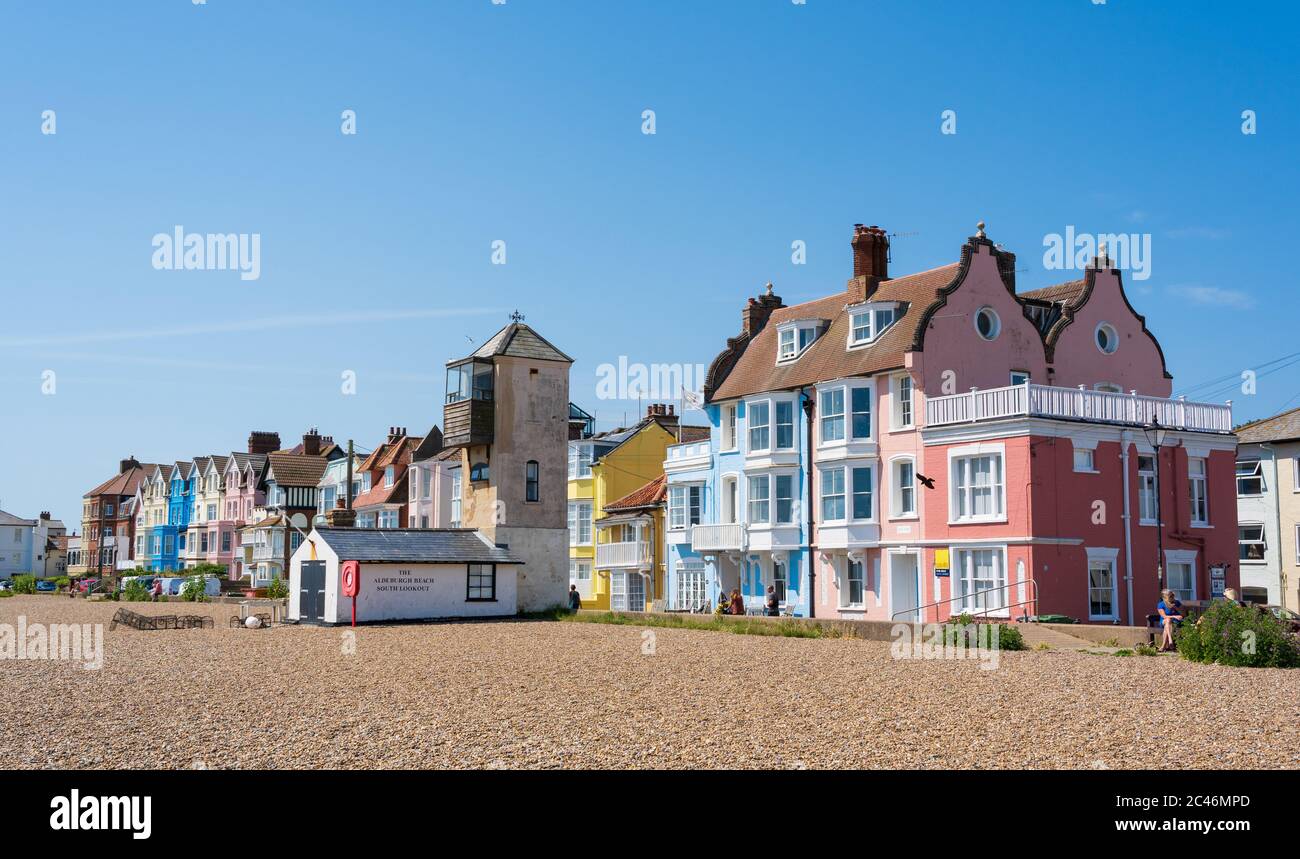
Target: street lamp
1156, 434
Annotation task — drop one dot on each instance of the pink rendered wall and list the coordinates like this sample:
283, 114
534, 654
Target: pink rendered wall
952, 343
1135, 365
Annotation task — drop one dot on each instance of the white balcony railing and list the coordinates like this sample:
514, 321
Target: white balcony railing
637, 553
268, 553
729, 537
1078, 404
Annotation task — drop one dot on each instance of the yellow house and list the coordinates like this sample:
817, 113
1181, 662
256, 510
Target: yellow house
630, 547
604, 468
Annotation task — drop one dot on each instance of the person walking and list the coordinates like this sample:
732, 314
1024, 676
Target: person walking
773, 604
157, 589
575, 599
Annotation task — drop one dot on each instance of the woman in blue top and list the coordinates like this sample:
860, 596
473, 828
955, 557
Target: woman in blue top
1171, 614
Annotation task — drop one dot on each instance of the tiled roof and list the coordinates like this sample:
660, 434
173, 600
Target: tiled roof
11, 519
219, 462
395, 494
518, 340
120, 484
1283, 427
429, 446
828, 358
650, 495
1057, 293
694, 433
295, 470
413, 546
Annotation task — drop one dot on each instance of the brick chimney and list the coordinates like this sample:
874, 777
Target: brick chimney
45, 514
870, 261
263, 442
311, 443
758, 310
341, 516
395, 434
125, 465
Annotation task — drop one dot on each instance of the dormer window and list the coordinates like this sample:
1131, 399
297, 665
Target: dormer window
794, 337
868, 321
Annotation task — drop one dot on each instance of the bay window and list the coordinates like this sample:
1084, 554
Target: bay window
784, 425
832, 415
863, 489
579, 523
760, 428
784, 499
860, 401
759, 500
684, 506
579, 461
833, 507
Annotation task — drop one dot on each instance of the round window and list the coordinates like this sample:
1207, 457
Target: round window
987, 323
1107, 339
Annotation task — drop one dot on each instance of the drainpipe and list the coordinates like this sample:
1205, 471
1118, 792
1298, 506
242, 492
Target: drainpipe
809, 412
1125, 438
1277, 513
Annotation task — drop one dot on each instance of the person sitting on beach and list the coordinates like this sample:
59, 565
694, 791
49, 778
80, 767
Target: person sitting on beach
737, 602
1171, 615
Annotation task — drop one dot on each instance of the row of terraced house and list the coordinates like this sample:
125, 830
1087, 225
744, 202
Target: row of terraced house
248, 510
917, 447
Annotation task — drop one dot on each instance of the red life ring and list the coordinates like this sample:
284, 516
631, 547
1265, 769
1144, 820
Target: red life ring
351, 576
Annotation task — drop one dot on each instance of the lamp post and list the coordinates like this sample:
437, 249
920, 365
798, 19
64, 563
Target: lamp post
1156, 434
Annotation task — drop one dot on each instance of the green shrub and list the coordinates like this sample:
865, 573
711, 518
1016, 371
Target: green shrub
6, 594
277, 590
194, 589
63, 583
135, 591
1009, 638
1240, 636
24, 584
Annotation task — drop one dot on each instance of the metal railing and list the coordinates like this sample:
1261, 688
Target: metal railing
1033, 600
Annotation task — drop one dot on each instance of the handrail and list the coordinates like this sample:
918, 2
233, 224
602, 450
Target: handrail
1033, 599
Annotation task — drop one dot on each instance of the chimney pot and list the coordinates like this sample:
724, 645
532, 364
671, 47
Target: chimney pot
870, 260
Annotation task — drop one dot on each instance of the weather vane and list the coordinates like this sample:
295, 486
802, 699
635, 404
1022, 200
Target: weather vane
517, 317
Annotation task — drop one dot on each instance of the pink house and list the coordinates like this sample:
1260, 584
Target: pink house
974, 449
242, 495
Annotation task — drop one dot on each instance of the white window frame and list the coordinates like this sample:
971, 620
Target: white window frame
692, 590
1198, 491
962, 573
846, 593
874, 329
851, 493
1148, 484
578, 522
776, 497
823, 484
904, 406
1252, 474
777, 404
1085, 460
1112, 337
795, 328
581, 456
997, 323
826, 417
680, 504
1109, 558
1262, 542
959, 459
727, 422
1181, 557
752, 499
1020, 377
751, 426
897, 491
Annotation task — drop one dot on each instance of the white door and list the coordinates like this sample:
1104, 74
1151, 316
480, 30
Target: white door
618, 591
904, 590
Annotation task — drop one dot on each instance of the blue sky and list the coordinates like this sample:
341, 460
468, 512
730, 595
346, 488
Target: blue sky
522, 122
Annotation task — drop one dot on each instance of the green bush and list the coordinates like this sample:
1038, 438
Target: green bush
135, 591
1009, 638
277, 590
1240, 636
194, 589
6, 594
24, 584
63, 583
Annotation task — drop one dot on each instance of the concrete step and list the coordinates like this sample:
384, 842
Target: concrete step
1034, 635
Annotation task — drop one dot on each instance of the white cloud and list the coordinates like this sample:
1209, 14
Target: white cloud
1213, 296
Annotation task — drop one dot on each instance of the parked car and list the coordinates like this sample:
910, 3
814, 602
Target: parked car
46, 586
6, 585
1284, 614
